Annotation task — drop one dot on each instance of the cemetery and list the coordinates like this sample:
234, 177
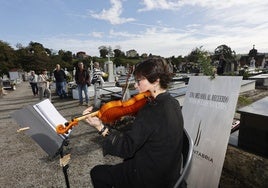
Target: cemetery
232, 144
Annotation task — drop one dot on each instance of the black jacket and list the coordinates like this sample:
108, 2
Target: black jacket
152, 147
60, 75
82, 77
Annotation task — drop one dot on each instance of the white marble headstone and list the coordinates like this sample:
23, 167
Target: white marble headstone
208, 112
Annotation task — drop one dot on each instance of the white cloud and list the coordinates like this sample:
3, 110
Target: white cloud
176, 4
240, 13
121, 34
234, 23
231, 11
160, 4
113, 14
97, 34
189, 24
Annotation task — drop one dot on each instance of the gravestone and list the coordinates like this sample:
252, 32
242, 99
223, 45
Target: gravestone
208, 112
253, 131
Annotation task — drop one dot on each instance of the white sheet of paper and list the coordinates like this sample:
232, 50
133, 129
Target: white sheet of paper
49, 113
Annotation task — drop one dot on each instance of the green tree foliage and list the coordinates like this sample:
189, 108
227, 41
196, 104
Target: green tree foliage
202, 59
64, 58
35, 57
176, 62
118, 61
7, 58
118, 53
226, 51
103, 51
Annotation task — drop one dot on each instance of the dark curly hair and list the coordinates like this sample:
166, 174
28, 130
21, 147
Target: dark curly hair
152, 69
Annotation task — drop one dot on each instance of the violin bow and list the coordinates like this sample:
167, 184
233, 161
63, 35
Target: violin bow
130, 72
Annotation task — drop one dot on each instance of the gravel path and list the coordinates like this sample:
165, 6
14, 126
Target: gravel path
25, 164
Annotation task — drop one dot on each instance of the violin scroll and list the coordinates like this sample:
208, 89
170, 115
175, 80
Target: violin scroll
63, 129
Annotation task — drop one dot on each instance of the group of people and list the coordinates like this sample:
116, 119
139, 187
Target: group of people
40, 84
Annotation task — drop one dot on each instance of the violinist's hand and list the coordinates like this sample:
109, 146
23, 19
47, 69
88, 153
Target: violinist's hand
93, 121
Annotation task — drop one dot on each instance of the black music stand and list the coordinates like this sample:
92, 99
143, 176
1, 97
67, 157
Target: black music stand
40, 129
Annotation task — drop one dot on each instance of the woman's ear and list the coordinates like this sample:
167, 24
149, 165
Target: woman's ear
157, 81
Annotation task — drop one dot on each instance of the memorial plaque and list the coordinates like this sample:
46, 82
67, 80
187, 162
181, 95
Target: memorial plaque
208, 112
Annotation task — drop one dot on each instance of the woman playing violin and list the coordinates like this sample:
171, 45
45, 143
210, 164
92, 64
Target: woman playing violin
152, 147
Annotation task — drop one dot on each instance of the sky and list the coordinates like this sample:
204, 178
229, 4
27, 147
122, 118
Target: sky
160, 27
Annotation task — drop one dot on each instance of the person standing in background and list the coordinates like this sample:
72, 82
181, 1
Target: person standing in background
82, 80
221, 66
33, 82
60, 78
97, 74
43, 84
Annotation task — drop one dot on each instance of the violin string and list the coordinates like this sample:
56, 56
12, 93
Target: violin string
77, 116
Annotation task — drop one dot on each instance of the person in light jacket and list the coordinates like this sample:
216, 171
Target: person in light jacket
33, 79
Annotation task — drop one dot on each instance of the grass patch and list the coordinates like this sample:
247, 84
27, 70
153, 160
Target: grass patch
244, 101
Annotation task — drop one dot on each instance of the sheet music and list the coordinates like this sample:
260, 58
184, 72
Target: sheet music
50, 114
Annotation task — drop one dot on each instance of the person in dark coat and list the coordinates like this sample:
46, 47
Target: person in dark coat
82, 80
151, 147
221, 66
60, 78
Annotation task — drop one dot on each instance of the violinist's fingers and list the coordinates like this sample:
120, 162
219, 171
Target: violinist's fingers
88, 110
93, 121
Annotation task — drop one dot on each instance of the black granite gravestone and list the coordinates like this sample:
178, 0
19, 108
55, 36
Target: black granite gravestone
253, 131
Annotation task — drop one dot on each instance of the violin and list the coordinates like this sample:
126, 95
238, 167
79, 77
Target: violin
110, 111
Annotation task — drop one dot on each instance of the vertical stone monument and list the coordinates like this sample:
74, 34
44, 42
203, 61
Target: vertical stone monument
110, 72
208, 112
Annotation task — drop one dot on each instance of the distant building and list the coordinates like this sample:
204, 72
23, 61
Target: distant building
81, 55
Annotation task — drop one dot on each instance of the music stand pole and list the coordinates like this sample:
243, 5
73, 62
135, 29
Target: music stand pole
64, 163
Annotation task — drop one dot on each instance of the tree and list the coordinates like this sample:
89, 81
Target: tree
118, 61
176, 62
226, 51
66, 56
103, 51
35, 57
7, 58
202, 59
118, 53
229, 56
